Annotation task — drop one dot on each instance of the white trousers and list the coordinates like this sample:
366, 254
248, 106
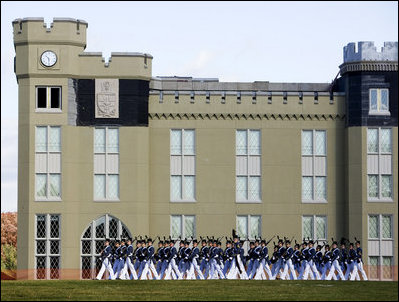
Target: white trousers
288, 265
148, 269
335, 267
194, 267
173, 271
106, 265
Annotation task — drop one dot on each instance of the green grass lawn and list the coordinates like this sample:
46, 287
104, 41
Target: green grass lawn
198, 290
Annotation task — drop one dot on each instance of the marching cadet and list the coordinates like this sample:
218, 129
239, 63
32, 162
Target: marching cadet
327, 263
186, 257
129, 261
359, 262
352, 256
228, 258
208, 259
106, 254
274, 260
180, 257
311, 266
172, 270
344, 256
318, 259
250, 259
256, 261
335, 265
136, 254
280, 262
165, 259
122, 259
203, 257
193, 260
265, 262
142, 257
289, 252
149, 263
215, 268
116, 256
304, 261
159, 255
296, 258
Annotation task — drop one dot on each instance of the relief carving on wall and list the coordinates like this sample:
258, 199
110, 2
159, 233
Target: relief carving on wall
107, 98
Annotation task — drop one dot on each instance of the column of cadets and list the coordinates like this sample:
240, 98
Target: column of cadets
307, 260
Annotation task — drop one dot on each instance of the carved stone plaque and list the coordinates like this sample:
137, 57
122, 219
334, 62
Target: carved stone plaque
107, 98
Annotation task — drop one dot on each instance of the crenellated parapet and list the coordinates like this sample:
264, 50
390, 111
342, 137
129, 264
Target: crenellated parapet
66, 38
368, 58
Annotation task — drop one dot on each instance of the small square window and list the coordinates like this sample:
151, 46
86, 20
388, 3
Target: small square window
48, 98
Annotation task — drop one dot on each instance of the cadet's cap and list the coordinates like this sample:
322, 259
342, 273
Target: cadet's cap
280, 240
203, 240
327, 245
358, 241
319, 246
351, 244
252, 243
149, 240
118, 241
334, 242
172, 241
257, 240
288, 241
228, 241
167, 241
107, 240
195, 241
263, 241
160, 242
305, 243
297, 245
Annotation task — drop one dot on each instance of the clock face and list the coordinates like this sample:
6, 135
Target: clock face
48, 58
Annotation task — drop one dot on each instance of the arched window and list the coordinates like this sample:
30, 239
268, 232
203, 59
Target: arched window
92, 242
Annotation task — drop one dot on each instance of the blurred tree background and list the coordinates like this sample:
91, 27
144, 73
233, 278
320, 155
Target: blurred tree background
8, 241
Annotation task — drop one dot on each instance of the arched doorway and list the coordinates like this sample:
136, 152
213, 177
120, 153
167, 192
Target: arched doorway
92, 242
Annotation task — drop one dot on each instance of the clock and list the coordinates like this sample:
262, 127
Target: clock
48, 58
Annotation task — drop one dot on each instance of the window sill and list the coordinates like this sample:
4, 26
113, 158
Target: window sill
387, 113
248, 201
314, 201
48, 199
183, 201
106, 200
380, 200
44, 110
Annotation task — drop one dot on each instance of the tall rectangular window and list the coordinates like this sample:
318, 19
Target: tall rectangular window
380, 246
314, 166
314, 227
182, 226
47, 246
379, 164
182, 165
248, 166
48, 98
379, 101
249, 226
48, 163
106, 164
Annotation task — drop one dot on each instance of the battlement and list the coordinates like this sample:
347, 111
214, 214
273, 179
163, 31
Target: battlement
368, 52
60, 31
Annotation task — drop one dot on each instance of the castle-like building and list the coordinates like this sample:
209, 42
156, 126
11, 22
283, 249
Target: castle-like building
108, 151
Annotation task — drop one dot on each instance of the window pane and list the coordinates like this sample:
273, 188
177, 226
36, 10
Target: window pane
189, 142
320, 142
241, 142
384, 100
373, 186
55, 139
113, 140
40, 226
176, 226
241, 188
55, 185
372, 140
373, 267
254, 142
307, 188
42, 97
99, 186
54, 226
41, 139
100, 231
255, 226
40, 247
189, 187
307, 142
386, 227
386, 140
373, 99
54, 247
373, 226
54, 267
189, 226
387, 268
386, 186
41, 185
321, 188
175, 142
112, 228
40, 267
175, 188
307, 226
99, 140
113, 187
55, 97
242, 226
321, 227
254, 188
